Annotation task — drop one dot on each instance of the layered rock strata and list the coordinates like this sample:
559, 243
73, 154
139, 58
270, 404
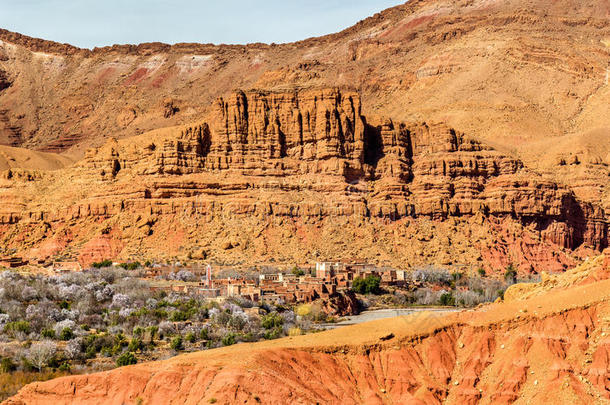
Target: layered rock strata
309, 157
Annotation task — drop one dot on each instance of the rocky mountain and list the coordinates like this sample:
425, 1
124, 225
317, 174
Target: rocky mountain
546, 342
300, 176
469, 132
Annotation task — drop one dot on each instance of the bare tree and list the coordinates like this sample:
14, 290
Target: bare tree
40, 353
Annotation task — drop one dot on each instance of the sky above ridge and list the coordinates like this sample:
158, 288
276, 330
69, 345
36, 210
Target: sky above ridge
88, 23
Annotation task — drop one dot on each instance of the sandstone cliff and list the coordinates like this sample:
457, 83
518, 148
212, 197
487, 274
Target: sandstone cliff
286, 175
548, 347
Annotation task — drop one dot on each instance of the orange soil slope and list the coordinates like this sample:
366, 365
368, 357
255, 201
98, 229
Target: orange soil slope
551, 346
26, 159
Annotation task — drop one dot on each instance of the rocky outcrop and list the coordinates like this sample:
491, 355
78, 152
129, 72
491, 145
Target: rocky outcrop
550, 347
310, 157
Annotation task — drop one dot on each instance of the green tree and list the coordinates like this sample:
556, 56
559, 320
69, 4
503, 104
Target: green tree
368, 285
447, 299
272, 320
7, 365
66, 334
48, 333
176, 343
135, 344
298, 272
126, 359
228, 339
511, 274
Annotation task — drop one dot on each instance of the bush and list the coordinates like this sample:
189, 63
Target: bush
130, 266
296, 331
447, 299
176, 343
18, 326
126, 359
48, 333
273, 333
179, 316
135, 344
190, 337
298, 272
103, 263
7, 365
511, 274
272, 320
66, 334
368, 285
41, 353
228, 339
138, 331
204, 334
481, 272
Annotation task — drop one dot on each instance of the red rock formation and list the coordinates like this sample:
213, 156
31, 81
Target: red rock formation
310, 156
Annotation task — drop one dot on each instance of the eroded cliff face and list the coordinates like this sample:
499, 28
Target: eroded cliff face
302, 175
548, 345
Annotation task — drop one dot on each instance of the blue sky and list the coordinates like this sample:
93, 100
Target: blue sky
89, 23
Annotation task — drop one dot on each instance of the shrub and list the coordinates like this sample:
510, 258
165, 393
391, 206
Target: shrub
295, 331
298, 272
190, 337
65, 304
303, 310
447, 299
176, 343
457, 276
204, 334
66, 334
7, 365
130, 266
368, 285
103, 263
135, 344
228, 339
272, 320
48, 333
73, 348
126, 359
481, 272
179, 316
511, 274
18, 326
273, 333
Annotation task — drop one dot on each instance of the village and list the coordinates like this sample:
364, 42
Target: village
332, 285
301, 285
304, 283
